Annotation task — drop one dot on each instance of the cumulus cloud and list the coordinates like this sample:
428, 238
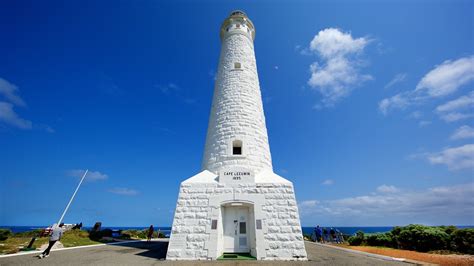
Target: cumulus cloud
10, 117
123, 191
397, 79
458, 109
442, 80
91, 175
10, 92
463, 132
328, 182
447, 77
456, 158
387, 189
402, 206
339, 72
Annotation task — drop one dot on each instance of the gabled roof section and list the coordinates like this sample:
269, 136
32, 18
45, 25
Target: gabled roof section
203, 177
268, 176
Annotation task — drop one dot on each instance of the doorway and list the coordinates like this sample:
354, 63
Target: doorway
236, 229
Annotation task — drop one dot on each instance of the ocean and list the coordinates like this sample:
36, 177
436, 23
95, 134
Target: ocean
19, 229
167, 230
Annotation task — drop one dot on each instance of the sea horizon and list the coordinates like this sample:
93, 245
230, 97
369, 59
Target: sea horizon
348, 230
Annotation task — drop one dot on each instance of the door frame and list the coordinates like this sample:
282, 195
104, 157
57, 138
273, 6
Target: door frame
233, 216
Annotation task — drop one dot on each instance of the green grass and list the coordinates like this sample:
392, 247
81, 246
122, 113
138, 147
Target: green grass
71, 238
236, 256
14, 243
74, 238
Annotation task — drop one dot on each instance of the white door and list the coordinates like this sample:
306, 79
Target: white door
236, 230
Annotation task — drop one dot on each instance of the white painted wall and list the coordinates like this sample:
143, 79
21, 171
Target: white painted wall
237, 110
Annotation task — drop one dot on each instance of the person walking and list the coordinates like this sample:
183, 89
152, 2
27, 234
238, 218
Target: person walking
54, 237
325, 235
150, 233
332, 233
318, 233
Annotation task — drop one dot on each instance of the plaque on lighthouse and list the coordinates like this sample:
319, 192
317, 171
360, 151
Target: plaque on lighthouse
236, 204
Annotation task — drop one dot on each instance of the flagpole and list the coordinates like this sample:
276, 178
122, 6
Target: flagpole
73, 195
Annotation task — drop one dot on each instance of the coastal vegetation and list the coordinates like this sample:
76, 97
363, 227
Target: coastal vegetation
441, 239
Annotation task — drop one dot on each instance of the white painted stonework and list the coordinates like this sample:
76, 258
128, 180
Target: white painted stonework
237, 204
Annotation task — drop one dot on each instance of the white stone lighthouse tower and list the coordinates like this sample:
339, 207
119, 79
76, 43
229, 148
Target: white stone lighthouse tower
237, 204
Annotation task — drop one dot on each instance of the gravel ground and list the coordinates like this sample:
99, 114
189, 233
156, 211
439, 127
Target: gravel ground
142, 253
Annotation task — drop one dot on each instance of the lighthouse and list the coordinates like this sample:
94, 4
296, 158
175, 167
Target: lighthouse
236, 204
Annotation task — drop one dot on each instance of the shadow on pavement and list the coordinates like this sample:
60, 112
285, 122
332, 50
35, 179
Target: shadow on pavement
153, 249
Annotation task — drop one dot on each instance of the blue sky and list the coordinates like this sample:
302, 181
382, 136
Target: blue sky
369, 107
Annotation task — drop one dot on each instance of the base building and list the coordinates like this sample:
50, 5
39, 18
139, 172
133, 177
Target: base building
237, 204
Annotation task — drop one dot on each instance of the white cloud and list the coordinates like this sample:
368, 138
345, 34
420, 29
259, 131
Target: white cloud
10, 92
402, 206
331, 42
340, 72
399, 101
327, 182
397, 79
387, 189
457, 158
463, 102
455, 116
10, 117
447, 77
123, 191
458, 109
308, 203
443, 80
463, 132
91, 175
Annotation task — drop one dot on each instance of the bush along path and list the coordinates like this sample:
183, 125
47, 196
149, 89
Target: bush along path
443, 239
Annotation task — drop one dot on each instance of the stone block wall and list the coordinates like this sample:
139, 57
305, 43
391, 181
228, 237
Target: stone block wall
282, 235
237, 111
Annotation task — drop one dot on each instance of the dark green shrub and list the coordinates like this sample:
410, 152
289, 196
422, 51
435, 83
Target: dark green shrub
5, 233
97, 235
462, 240
381, 239
356, 240
450, 229
422, 238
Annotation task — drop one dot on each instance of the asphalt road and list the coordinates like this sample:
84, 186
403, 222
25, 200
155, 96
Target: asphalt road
142, 253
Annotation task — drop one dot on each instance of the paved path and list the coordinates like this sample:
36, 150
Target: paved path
142, 253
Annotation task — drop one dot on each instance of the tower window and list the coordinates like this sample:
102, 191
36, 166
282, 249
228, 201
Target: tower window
238, 26
237, 147
237, 65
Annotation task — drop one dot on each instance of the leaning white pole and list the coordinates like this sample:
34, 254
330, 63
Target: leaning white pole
73, 195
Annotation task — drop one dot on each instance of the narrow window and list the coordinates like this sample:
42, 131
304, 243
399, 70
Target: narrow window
237, 65
237, 147
243, 227
259, 224
214, 225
